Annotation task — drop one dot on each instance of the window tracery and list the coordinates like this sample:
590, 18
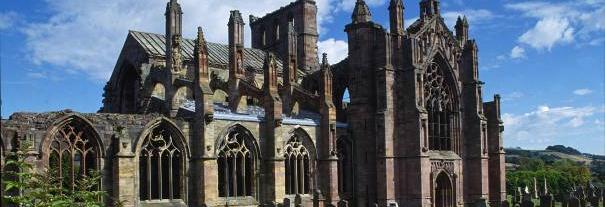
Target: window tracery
236, 164
161, 164
298, 165
73, 153
439, 104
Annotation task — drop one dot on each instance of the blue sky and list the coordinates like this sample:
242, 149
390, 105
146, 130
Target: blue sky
546, 58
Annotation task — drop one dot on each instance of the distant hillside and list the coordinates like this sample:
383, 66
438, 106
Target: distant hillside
596, 163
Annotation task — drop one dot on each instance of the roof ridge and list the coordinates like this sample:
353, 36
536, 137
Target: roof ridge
190, 39
153, 45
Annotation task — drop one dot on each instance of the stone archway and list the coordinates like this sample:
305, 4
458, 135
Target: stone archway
444, 191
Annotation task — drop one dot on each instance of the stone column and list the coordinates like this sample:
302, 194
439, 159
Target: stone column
274, 179
497, 170
476, 186
124, 170
203, 173
326, 144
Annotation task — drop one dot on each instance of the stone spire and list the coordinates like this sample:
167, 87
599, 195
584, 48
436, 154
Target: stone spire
396, 14
270, 75
236, 28
326, 79
203, 92
201, 54
272, 103
326, 146
429, 8
361, 13
174, 25
236, 44
462, 29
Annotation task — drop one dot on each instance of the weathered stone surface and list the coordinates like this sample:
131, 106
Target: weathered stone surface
402, 140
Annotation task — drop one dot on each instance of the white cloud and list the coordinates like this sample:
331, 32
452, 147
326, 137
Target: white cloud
582, 91
561, 23
517, 52
548, 32
546, 123
8, 19
86, 36
337, 50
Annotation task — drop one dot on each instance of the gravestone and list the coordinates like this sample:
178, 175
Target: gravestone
563, 197
574, 202
546, 201
527, 202
287, 202
594, 197
516, 197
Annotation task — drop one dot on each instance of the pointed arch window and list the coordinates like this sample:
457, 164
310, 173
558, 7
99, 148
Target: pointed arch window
161, 164
73, 153
440, 107
298, 167
236, 164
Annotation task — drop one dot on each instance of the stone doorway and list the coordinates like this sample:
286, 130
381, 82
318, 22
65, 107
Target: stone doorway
444, 191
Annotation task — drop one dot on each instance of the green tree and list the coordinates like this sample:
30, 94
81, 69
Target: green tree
560, 176
28, 187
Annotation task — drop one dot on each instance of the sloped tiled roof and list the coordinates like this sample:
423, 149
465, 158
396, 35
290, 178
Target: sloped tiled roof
218, 54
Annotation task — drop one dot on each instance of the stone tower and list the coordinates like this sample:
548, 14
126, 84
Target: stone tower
371, 79
270, 32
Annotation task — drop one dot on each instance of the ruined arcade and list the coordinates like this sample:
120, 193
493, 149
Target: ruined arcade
187, 122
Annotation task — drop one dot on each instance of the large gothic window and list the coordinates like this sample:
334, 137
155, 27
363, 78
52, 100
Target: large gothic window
73, 152
439, 105
236, 164
161, 164
298, 165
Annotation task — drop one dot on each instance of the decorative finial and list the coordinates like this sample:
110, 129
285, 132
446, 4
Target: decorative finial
200, 36
200, 32
324, 59
459, 20
361, 13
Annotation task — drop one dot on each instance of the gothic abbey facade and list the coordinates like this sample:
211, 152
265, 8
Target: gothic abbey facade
194, 123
